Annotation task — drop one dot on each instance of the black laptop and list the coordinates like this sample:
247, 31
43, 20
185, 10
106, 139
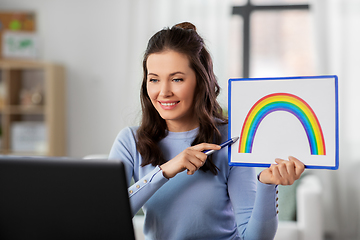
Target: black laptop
60, 198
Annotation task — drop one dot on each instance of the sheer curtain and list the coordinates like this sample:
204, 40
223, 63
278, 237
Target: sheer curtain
338, 50
211, 17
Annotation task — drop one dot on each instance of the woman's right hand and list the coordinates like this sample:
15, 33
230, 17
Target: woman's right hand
191, 159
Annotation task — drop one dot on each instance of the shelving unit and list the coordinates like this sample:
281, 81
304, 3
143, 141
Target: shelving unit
32, 108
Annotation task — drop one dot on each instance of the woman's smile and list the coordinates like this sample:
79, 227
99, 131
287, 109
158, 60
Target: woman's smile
168, 105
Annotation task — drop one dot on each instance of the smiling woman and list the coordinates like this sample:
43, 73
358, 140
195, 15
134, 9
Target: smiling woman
178, 56
181, 118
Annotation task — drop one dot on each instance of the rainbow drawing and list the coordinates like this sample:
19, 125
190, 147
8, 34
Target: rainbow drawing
282, 102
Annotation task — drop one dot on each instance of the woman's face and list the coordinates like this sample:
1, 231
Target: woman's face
171, 86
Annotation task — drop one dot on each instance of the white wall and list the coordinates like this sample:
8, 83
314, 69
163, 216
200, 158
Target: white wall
90, 39
101, 43
338, 36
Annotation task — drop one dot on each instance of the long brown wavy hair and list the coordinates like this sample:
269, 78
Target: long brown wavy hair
184, 39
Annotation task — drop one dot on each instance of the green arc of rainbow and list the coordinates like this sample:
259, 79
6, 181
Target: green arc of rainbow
282, 102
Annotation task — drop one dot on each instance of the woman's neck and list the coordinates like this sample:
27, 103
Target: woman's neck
174, 126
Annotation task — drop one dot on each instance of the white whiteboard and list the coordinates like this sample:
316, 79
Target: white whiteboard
282, 117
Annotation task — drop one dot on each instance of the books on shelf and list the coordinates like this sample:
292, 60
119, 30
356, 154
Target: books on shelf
29, 136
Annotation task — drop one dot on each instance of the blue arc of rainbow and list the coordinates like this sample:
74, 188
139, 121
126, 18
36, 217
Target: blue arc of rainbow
282, 102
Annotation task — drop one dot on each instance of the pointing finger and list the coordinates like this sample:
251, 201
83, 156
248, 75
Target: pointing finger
206, 146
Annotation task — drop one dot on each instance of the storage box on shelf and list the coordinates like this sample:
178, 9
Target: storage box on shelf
32, 108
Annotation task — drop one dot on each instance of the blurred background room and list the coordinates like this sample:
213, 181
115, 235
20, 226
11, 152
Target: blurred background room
97, 46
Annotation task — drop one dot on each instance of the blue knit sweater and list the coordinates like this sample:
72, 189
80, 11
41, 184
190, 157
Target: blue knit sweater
230, 205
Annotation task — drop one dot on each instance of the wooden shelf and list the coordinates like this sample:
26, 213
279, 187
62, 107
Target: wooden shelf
22, 64
9, 152
15, 109
18, 80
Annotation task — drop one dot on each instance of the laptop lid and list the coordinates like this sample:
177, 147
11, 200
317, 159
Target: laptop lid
59, 198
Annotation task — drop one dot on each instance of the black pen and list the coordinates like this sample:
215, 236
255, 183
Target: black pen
224, 144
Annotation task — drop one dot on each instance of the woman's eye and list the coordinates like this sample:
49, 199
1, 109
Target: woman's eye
177, 79
153, 80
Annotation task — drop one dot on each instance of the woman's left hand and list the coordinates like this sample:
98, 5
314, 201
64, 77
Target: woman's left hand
283, 173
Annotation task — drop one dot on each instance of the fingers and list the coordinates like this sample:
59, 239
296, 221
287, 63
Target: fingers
191, 159
285, 172
205, 146
299, 166
194, 160
278, 175
196, 156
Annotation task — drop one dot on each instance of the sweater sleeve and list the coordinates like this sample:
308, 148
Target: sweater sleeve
254, 204
150, 178
143, 189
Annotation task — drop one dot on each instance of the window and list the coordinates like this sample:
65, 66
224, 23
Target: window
276, 38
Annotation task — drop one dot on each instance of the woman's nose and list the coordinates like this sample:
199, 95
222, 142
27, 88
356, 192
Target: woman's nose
165, 90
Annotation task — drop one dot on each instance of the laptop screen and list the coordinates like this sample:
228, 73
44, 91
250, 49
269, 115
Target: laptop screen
59, 198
